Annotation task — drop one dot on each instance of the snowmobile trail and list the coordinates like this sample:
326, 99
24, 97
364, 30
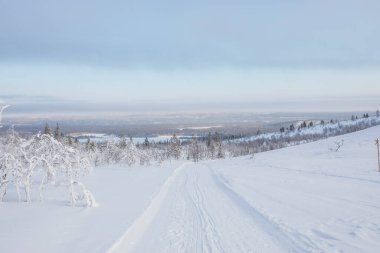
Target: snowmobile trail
196, 211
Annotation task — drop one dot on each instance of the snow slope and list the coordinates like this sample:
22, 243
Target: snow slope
299, 199
54, 226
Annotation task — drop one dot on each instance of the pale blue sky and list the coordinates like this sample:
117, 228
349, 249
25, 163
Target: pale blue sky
219, 51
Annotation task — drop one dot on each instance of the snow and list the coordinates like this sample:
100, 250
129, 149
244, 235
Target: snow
304, 198
55, 226
329, 128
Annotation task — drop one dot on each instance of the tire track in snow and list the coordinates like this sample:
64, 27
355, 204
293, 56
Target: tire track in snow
184, 234
133, 234
286, 240
192, 226
206, 215
217, 224
210, 236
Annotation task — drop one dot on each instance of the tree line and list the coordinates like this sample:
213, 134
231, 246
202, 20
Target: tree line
52, 158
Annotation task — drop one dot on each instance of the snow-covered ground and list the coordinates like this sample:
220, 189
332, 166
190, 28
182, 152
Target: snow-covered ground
304, 198
328, 129
54, 226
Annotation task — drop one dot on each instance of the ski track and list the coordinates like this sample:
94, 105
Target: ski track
136, 230
196, 210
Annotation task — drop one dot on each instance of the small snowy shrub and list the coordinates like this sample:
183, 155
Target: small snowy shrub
22, 159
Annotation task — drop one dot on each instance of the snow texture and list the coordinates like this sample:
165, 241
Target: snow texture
306, 198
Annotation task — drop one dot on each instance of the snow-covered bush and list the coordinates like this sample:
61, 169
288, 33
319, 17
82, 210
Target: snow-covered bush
22, 159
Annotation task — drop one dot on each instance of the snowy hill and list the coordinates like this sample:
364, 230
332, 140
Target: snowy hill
304, 198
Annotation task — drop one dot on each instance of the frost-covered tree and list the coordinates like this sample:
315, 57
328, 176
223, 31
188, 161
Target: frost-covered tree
69, 141
112, 153
47, 129
175, 147
123, 143
57, 133
17, 165
220, 153
73, 167
22, 159
209, 139
195, 150
146, 142
8, 166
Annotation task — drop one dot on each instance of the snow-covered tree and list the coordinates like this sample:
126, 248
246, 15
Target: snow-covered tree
21, 160
175, 147
47, 129
195, 150
146, 142
57, 133
8, 165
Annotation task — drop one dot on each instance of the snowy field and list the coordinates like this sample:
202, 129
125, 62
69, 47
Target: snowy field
304, 198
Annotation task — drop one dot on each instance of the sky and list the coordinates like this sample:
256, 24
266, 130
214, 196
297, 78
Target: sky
259, 55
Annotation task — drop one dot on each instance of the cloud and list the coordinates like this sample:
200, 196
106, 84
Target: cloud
168, 34
91, 55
